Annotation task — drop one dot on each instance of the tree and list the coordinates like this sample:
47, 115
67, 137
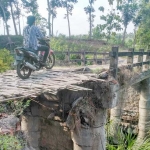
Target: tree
54, 5
143, 22
54, 13
30, 6
42, 23
112, 1
5, 14
111, 23
17, 13
89, 10
98, 32
49, 17
12, 14
128, 9
68, 5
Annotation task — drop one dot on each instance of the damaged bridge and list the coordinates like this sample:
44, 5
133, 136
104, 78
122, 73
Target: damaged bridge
59, 96
75, 99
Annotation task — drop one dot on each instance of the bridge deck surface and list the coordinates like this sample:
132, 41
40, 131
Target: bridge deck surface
12, 87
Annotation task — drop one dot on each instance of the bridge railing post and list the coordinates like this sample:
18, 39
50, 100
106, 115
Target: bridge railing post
115, 114
114, 62
67, 56
140, 59
148, 59
83, 58
130, 58
95, 57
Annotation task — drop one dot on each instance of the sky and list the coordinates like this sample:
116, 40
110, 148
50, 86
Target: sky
78, 21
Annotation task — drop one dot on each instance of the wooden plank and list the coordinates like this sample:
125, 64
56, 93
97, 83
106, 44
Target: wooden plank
120, 54
146, 62
89, 52
138, 53
75, 60
140, 64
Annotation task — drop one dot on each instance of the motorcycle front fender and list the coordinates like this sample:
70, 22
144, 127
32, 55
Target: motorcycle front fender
18, 59
16, 62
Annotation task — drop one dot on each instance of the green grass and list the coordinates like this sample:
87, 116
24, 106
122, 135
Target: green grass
9, 142
126, 141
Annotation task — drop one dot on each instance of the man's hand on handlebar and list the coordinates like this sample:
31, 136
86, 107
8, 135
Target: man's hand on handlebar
44, 39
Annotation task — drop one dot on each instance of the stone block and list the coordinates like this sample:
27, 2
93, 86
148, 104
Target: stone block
35, 110
9, 122
29, 123
33, 139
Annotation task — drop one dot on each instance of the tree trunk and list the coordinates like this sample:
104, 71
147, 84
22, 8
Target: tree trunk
49, 18
134, 37
18, 17
19, 26
4, 26
90, 26
22, 21
52, 25
7, 30
90, 19
68, 23
124, 35
5, 20
12, 13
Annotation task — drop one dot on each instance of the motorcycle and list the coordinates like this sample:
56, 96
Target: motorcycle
27, 61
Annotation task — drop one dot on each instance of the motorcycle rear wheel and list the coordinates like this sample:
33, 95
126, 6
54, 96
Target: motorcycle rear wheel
21, 68
50, 62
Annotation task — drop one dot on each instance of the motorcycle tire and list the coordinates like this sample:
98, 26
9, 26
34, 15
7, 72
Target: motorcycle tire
50, 62
22, 67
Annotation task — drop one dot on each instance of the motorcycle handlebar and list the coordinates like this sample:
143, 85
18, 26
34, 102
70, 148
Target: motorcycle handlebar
44, 39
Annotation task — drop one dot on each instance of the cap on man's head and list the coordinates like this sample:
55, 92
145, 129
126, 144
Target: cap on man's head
30, 20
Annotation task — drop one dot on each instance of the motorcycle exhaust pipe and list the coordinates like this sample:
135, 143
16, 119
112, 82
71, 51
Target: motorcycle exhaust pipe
30, 66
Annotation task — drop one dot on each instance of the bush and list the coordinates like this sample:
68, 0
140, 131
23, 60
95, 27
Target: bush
8, 142
129, 43
5, 60
64, 44
18, 40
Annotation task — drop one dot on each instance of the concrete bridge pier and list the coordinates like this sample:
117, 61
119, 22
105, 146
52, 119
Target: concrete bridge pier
115, 117
31, 127
144, 109
87, 123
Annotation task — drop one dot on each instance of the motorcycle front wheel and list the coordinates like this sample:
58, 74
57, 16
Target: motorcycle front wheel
23, 71
50, 62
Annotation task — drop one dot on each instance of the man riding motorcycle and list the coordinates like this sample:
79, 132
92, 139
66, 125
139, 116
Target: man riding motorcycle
31, 34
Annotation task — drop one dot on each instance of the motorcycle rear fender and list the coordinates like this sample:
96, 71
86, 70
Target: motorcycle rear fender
51, 51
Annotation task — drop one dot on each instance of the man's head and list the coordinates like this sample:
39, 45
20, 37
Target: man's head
30, 20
